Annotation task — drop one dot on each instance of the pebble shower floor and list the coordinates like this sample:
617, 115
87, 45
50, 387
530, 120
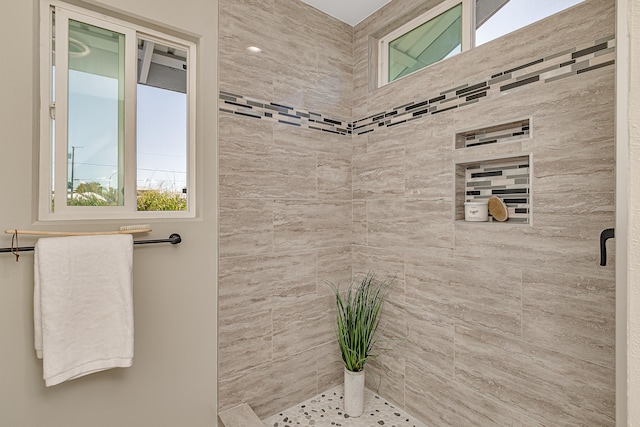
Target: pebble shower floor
325, 410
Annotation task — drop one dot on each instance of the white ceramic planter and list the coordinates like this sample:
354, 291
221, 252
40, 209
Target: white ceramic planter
353, 393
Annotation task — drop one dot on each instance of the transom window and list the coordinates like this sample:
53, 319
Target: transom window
455, 26
117, 118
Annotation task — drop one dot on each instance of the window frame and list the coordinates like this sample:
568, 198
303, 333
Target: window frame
468, 18
49, 151
468, 36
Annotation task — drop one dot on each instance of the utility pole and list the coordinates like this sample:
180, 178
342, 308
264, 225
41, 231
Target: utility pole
73, 166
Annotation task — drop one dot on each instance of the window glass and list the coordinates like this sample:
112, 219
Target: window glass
426, 44
495, 18
117, 118
448, 29
161, 128
95, 115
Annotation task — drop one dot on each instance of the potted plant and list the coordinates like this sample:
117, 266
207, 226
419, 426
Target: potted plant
358, 313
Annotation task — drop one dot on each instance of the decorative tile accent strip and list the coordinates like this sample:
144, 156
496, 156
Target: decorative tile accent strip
249, 107
544, 70
570, 62
325, 410
505, 178
490, 135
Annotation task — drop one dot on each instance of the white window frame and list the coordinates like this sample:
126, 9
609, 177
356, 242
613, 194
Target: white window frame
468, 34
47, 111
468, 17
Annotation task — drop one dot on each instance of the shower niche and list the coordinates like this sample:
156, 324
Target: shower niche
490, 162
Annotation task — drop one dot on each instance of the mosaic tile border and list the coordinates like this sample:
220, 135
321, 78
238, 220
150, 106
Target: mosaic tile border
570, 62
250, 107
560, 65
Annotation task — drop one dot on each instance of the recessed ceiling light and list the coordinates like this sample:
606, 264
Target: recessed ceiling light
254, 49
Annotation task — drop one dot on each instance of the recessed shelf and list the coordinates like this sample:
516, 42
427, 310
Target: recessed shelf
508, 178
512, 131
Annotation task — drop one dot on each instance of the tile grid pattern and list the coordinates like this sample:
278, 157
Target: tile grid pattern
570, 62
285, 200
503, 326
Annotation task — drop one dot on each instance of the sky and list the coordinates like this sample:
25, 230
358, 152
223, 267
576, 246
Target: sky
162, 136
93, 130
517, 14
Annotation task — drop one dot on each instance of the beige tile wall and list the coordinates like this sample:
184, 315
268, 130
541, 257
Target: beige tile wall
495, 324
285, 204
490, 324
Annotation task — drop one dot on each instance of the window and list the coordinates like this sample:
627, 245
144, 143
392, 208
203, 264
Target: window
497, 18
453, 27
430, 38
117, 118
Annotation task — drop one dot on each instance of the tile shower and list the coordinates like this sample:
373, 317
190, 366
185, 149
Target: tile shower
322, 178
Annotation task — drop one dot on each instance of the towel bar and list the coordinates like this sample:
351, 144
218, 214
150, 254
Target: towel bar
174, 239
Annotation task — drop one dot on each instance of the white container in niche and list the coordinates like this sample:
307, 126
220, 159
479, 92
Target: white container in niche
477, 211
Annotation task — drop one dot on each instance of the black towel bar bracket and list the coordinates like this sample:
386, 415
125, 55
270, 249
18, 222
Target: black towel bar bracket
174, 239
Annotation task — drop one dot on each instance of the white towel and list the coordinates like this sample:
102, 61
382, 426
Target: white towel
83, 305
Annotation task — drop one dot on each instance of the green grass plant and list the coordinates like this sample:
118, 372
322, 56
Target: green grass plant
358, 313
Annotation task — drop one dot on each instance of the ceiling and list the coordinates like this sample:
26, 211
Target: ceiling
349, 11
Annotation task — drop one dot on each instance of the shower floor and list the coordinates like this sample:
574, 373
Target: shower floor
325, 409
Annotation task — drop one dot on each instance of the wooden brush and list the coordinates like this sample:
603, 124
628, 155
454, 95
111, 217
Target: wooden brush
498, 209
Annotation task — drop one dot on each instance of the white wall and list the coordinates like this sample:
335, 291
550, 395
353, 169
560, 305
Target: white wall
173, 380
628, 214
633, 166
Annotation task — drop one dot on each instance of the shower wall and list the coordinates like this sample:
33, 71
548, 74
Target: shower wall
490, 323
285, 200
493, 323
